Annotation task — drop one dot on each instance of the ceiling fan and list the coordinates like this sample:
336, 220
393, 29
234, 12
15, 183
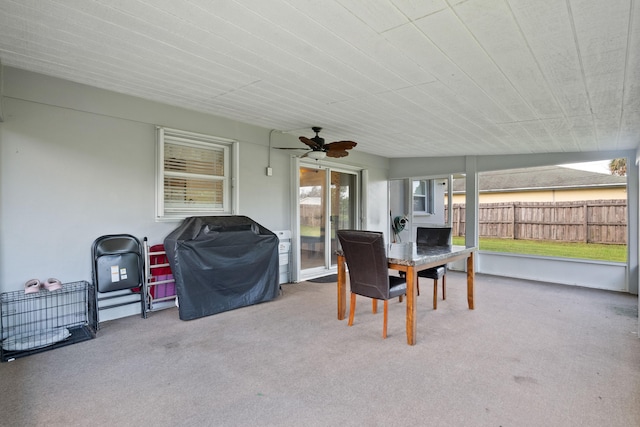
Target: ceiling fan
319, 149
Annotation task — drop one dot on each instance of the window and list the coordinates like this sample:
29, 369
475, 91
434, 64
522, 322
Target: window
423, 196
195, 175
567, 211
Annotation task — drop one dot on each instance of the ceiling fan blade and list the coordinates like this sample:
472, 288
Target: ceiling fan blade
340, 145
310, 142
337, 153
290, 148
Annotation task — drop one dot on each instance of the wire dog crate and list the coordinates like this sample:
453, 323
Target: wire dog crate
37, 322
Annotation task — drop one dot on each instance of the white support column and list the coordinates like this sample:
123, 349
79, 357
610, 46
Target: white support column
449, 218
363, 200
633, 218
1, 91
471, 203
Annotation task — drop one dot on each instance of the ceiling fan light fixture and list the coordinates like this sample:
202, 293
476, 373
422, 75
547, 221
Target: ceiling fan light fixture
317, 155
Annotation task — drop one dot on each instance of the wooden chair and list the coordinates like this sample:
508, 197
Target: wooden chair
366, 260
434, 236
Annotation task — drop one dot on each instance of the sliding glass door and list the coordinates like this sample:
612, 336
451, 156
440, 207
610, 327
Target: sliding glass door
328, 201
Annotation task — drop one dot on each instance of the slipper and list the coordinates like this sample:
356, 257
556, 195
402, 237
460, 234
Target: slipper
32, 286
52, 284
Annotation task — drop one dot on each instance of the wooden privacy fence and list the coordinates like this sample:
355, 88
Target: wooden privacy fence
593, 221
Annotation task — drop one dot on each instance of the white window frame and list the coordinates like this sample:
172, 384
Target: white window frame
192, 139
429, 188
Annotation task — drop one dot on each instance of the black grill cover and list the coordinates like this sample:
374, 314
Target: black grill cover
221, 263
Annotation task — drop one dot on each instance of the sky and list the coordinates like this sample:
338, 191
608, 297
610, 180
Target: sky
601, 166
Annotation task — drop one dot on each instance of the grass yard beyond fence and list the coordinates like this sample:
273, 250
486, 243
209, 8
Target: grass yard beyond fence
595, 251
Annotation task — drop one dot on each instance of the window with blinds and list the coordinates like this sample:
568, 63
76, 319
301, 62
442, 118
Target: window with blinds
194, 173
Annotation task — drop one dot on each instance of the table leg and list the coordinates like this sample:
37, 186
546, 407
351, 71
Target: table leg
411, 305
342, 288
470, 277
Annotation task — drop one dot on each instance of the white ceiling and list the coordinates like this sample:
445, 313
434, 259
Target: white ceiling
403, 78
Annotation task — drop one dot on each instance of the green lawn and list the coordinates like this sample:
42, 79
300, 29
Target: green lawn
307, 230
617, 253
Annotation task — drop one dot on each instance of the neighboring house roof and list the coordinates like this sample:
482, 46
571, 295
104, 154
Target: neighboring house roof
541, 178
311, 200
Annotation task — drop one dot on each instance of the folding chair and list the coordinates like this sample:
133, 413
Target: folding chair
118, 265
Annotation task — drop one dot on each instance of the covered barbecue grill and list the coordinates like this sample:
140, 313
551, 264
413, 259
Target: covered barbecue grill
221, 263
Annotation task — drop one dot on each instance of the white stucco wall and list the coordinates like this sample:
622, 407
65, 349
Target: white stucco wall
78, 162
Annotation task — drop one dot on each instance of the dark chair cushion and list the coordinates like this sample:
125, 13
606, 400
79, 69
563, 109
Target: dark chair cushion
398, 286
433, 273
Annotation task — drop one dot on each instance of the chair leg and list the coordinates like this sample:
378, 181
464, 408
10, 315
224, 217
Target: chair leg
444, 287
400, 298
384, 324
352, 308
435, 294
374, 305
418, 284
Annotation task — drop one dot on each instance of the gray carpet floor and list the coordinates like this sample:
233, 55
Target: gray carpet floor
530, 354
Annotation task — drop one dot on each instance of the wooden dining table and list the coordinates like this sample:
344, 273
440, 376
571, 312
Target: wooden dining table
411, 258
